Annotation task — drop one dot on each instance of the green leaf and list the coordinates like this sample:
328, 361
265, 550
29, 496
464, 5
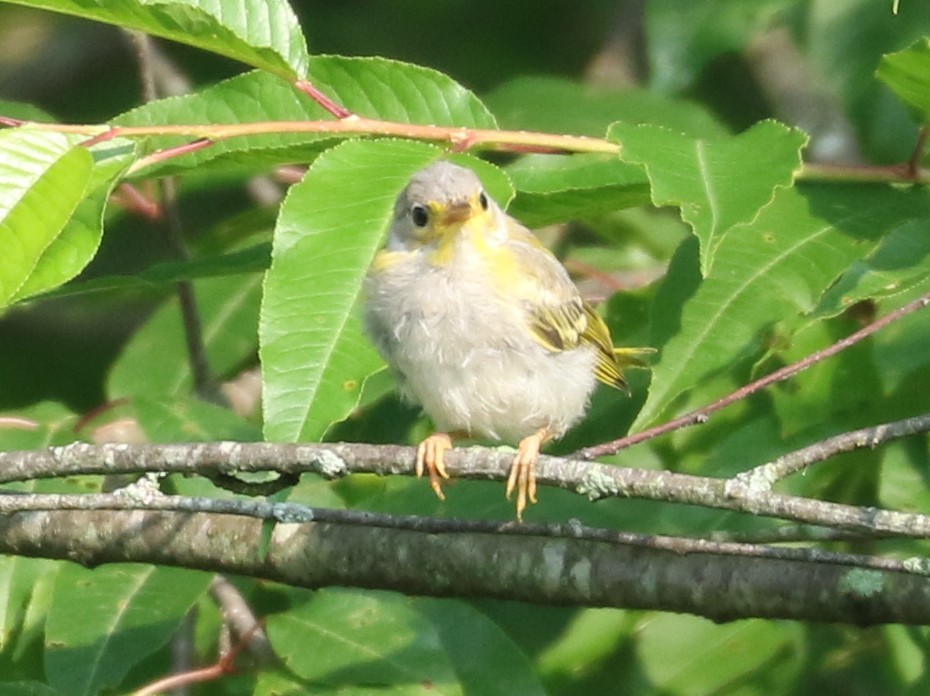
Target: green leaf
563, 106
485, 659
907, 73
343, 637
73, 249
825, 388
314, 356
261, 33
774, 269
711, 658
104, 622
54, 425
188, 419
899, 355
898, 264
156, 362
27, 653
250, 260
555, 188
27, 688
906, 648
26, 112
395, 91
19, 579
372, 87
588, 645
717, 183
43, 178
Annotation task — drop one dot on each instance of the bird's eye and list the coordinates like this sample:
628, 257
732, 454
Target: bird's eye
419, 214
483, 200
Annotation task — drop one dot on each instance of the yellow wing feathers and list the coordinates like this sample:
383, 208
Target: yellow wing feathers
559, 318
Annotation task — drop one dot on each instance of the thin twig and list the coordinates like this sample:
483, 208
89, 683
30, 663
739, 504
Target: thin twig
859, 173
142, 43
913, 164
763, 477
18, 423
128, 197
702, 414
316, 95
457, 137
225, 665
794, 533
205, 384
176, 681
239, 615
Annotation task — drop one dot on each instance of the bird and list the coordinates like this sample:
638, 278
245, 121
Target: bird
483, 327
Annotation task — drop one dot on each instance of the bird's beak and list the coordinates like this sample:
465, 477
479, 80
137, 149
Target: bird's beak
457, 213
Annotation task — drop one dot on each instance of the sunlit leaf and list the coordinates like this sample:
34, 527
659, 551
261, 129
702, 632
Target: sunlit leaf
71, 251
773, 270
716, 183
711, 657
372, 87
313, 353
261, 33
552, 188
43, 178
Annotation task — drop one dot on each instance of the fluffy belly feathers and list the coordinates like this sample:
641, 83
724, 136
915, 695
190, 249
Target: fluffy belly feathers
467, 359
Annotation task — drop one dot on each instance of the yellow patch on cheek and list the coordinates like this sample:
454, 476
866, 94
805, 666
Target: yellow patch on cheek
444, 251
500, 262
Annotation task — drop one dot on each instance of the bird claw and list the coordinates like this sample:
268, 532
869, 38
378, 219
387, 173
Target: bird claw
523, 470
430, 455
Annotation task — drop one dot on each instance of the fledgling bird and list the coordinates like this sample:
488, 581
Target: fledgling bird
483, 326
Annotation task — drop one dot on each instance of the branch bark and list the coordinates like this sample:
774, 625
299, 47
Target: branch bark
552, 564
530, 569
591, 479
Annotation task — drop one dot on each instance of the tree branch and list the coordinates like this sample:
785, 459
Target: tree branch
526, 568
591, 479
552, 564
458, 138
763, 477
296, 513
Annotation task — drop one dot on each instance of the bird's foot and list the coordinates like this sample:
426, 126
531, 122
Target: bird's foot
430, 455
523, 470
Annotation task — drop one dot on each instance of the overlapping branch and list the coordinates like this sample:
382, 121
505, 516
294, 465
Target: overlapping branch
566, 564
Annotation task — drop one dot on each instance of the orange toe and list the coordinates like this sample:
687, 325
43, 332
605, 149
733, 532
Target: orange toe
430, 455
523, 470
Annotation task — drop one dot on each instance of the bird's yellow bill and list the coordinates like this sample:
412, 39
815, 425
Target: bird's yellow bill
457, 213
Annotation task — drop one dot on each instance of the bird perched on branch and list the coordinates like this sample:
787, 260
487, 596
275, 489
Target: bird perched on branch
483, 326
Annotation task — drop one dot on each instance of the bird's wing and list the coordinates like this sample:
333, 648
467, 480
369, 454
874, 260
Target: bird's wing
558, 316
